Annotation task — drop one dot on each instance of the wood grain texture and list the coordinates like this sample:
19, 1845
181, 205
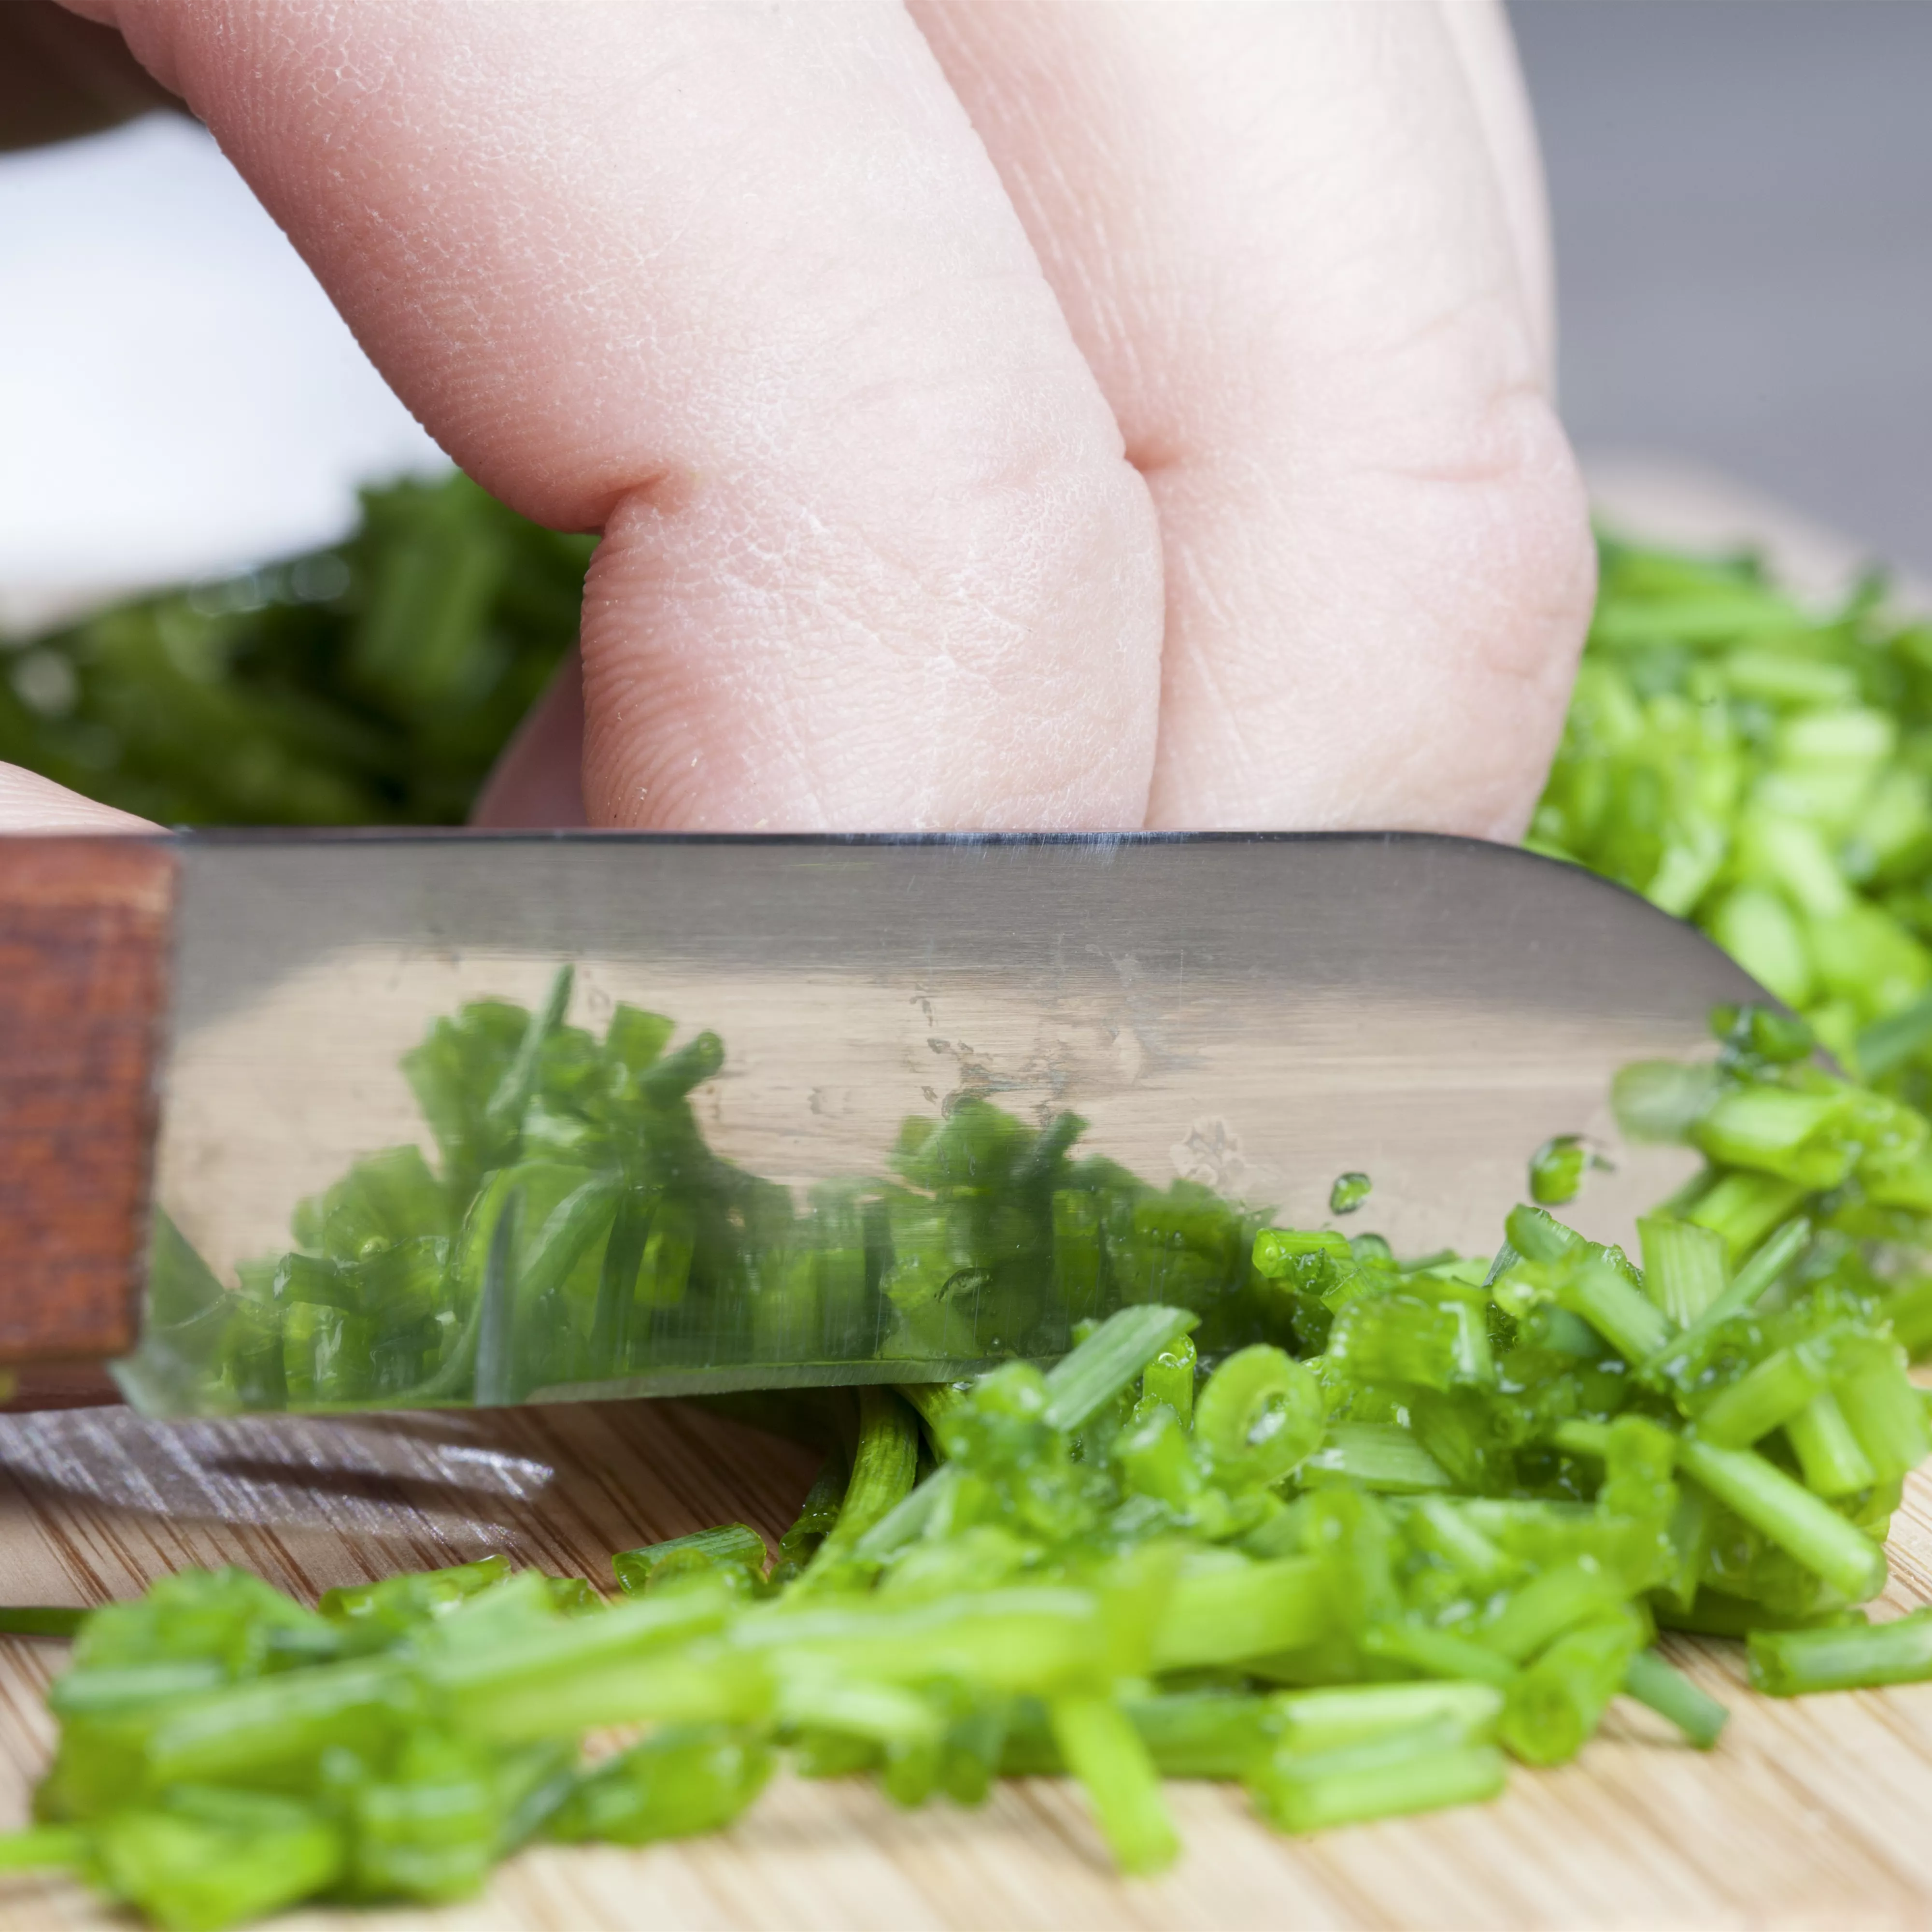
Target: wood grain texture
84, 931
1809, 1814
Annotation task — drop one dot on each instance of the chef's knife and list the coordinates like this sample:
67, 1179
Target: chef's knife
198, 1033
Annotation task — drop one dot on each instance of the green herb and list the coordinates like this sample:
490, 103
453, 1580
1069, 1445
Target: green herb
1761, 767
1349, 1193
374, 682
1348, 1531
577, 1234
1556, 1170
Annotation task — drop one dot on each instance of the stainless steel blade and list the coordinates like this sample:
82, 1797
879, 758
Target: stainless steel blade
1261, 1013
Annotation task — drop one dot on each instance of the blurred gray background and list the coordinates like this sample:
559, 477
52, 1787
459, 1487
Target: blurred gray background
1742, 193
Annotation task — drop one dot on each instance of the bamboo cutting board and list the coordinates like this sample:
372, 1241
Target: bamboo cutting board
1809, 1814
1815, 1813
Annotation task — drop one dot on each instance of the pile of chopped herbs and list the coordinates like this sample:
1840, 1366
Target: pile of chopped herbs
372, 683
1391, 1526
1764, 770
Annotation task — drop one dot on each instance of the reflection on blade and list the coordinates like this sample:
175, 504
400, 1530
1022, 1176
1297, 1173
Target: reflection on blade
581, 1239
963, 1076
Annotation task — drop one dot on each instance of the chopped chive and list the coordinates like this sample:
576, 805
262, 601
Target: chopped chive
1386, 1779
1789, 1664
506, 1104
1773, 1256
1225, 1615
1349, 1193
731, 1546
1079, 1387
1684, 1268
1099, 1746
1379, 1456
1619, 1312
1770, 1395
1789, 1515
1349, 1715
1833, 1461
1556, 1170
1169, 1379
1654, 1680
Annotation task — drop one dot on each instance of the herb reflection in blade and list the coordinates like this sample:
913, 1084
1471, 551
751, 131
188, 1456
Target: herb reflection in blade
575, 1237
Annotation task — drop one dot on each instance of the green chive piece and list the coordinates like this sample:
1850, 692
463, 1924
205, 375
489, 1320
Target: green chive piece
1386, 1779
731, 1548
1099, 1746
1081, 1385
1655, 1682
1684, 1270
1789, 1515
1556, 1170
1789, 1664
1349, 1193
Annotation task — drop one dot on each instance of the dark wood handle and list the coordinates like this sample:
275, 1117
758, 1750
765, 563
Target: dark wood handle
84, 949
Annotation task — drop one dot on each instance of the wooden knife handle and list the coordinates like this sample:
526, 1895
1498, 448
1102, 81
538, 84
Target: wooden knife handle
85, 942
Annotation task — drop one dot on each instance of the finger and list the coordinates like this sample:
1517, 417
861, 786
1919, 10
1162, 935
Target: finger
1481, 32
1278, 235
538, 781
30, 803
739, 287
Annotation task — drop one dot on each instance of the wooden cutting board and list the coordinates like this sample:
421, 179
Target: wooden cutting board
1809, 1814
1812, 1813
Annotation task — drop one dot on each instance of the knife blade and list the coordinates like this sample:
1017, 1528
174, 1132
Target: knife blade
1228, 1022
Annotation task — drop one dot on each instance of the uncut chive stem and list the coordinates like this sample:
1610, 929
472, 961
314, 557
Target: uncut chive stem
884, 1464
1787, 1663
934, 1402
1802, 1525
907, 1519
1658, 1684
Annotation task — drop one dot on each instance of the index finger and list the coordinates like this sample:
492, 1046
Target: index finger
739, 288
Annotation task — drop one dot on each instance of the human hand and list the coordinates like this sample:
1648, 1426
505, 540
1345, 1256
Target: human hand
1060, 415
